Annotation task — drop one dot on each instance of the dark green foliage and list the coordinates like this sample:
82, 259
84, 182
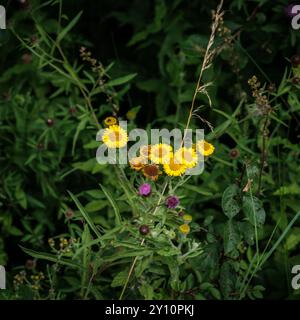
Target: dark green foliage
148, 54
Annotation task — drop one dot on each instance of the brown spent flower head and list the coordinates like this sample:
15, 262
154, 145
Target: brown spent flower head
296, 80
27, 58
40, 146
69, 214
34, 39
30, 264
151, 171
234, 153
181, 213
295, 60
72, 110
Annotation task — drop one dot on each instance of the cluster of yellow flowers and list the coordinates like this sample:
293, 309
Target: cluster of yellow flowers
153, 156
185, 228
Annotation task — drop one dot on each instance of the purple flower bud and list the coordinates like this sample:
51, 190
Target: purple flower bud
145, 189
144, 229
172, 202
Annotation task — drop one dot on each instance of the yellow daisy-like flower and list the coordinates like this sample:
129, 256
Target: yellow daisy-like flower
110, 121
205, 148
160, 153
137, 163
115, 137
184, 228
187, 218
145, 151
186, 156
174, 169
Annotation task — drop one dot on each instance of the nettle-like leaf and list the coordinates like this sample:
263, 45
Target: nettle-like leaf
227, 280
254, 210
231, 237
230, 201
247, 231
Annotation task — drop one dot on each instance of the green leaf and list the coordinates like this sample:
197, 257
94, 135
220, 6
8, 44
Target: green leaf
121, 80
69, 27
114, 205
197, 189
231, 237
230, 203
146, 291
51, 257
166, 252
282, 236
120, 279
293, 239
85, 215
247, 231
254, 210
227, 279
95, 205
21, 198
15, 231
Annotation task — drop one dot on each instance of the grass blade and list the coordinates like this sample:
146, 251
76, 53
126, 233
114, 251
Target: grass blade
69, 27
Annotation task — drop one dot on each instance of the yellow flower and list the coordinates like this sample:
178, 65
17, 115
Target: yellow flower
110, 121
174, 169
145, 151
160, 153
205, 148
137, 163
151, 171
185, 228
187, 218
115, 137
186, 156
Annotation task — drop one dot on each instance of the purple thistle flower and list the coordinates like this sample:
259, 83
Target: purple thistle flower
172, 202
145, 189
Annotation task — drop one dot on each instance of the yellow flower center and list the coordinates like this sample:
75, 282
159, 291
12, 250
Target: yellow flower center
174, 166
115, 136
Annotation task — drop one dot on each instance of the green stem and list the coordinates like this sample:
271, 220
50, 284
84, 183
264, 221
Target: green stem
142, 243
